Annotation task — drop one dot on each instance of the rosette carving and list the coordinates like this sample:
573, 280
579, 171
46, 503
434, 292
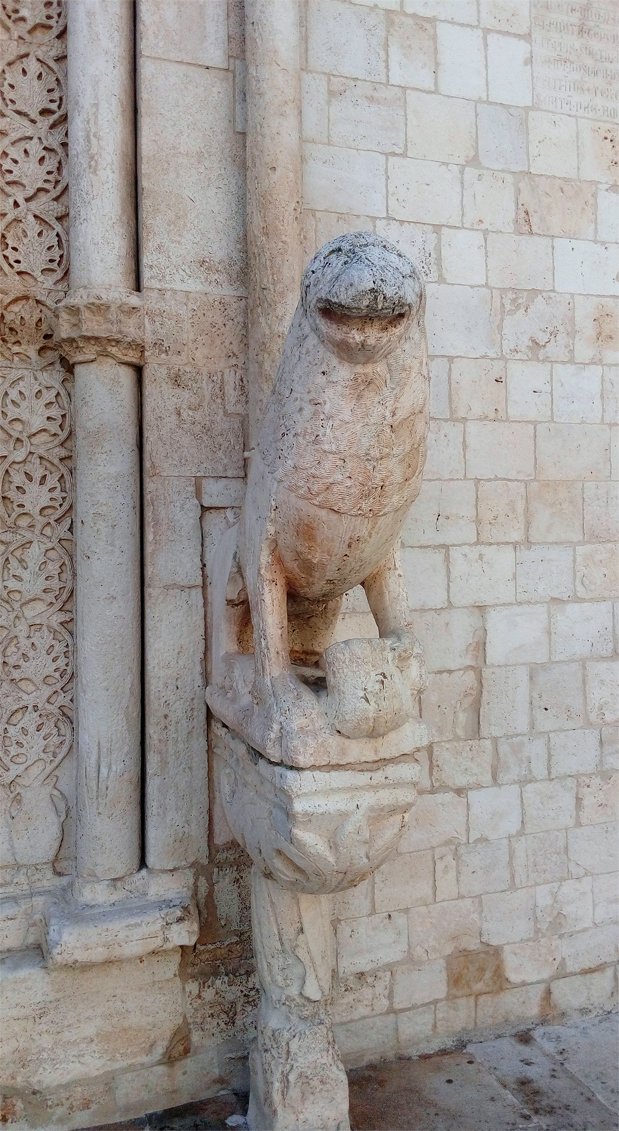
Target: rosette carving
36, 569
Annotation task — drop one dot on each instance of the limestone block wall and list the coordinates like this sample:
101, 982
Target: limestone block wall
482, 138
447, 126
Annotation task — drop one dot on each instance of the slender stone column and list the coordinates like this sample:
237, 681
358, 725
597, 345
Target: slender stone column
107, 519
274, 187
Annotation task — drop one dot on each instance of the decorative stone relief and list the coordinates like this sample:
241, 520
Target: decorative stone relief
36, 644
314, 753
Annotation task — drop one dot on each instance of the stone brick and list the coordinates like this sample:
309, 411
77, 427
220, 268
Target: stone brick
462, 765
463, 255
450, 638
581, 630
361, 995
548, 206
608, 221
344, 180
586, 268
488, 200
509, 70
419, 242
477, 386
507, 916
346, 39
450, 704
436, 819
483, 867
458, 11
442, 514
502, 138
597, 328
461, 61
501, 511
315, 107
376, 940
585, 950
601, 512
505, 15
424, 191
572, 451
588, 992
539, 858
411, 51
565, 906
180, 404
610, 747
574, 751
504, 701
549, 805
445, 873
416, 985
521, 758
172, 537
364, 115
481, 575
557, 697
479, 972
528, 390
605, 899
517, 634
610, 393
555, 511
441, 129
441, 928
200, 37
553, 146
538, 326
577, 393
462, 321
593, 848
494, 813
602, 683
597, 571
455, 1016
524, 262
360, 1043
354, 902
544, 572
415, 1028
598, 799
425, 574
597, 151
406, 881
534, 961
439, 387
445, 458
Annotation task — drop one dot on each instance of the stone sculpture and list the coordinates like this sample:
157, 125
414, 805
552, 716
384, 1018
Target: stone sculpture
315, 747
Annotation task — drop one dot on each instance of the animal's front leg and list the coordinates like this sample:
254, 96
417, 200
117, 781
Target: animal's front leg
388, 600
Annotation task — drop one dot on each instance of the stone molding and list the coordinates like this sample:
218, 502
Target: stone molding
106, 322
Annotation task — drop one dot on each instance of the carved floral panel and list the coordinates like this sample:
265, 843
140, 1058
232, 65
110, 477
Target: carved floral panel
36, 643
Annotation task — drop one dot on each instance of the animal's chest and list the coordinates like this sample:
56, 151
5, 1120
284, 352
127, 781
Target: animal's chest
355, 450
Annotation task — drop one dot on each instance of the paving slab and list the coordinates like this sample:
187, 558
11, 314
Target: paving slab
590, 1050
553, 1096
437, 1093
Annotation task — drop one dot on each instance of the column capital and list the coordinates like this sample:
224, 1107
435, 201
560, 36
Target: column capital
101, 322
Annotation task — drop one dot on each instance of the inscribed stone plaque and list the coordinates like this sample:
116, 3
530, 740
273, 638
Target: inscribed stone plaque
576, 57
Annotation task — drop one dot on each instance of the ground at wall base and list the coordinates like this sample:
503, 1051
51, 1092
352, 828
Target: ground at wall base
552, 1078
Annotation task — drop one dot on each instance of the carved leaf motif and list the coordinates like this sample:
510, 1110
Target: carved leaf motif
30, 743
36, 577
32, 19
30, 88
35, 410
25, 331
38, 661
34, 488
31, 246
30, 167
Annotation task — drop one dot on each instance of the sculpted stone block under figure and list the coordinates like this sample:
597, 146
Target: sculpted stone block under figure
338, 461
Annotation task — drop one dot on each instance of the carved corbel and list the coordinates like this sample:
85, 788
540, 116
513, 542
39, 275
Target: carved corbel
101, 323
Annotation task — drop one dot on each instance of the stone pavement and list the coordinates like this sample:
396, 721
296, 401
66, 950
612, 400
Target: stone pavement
552, 1078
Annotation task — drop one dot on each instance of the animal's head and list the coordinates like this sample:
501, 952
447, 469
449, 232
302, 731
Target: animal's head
360, 295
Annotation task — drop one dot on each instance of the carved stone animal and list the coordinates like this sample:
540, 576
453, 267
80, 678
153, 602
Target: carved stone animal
338, 461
